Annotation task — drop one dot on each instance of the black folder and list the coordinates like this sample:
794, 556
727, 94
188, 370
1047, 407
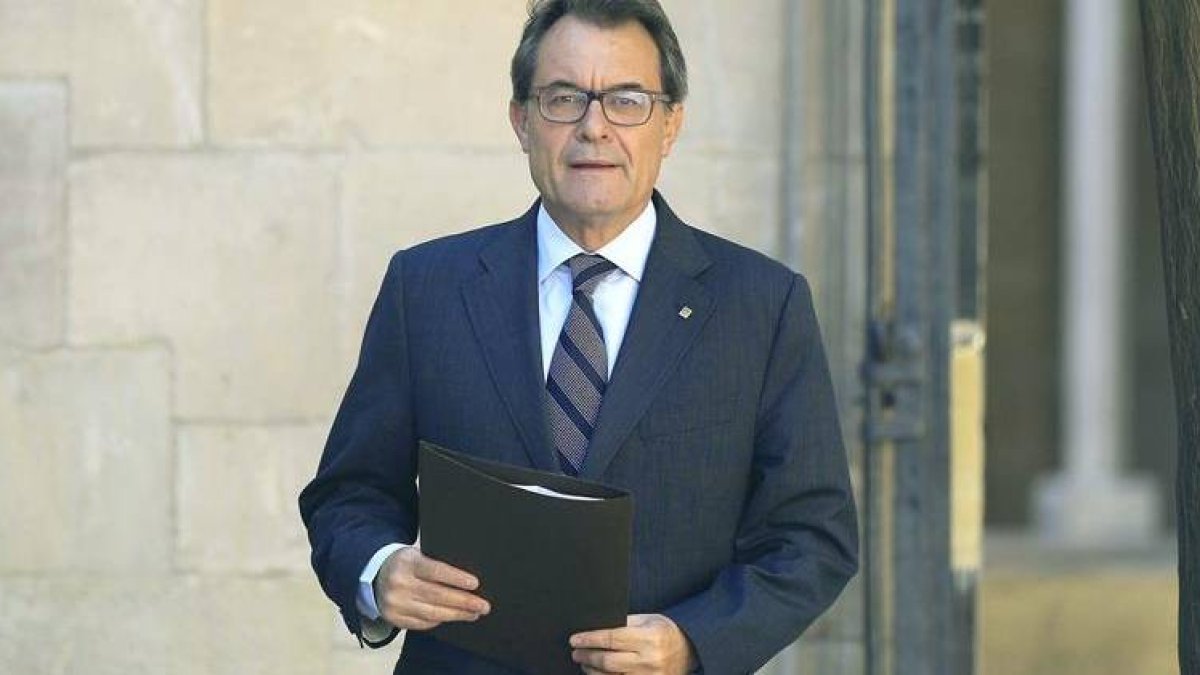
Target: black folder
550, 566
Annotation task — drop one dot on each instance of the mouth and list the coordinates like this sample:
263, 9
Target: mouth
592, 165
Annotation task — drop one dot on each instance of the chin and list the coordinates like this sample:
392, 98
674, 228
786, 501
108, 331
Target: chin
592, 206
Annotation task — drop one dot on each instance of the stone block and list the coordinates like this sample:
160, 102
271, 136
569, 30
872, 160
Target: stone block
831, 230
236, 497
851, 142
732, 196
818, 229
687, 181
35, 37
33, 156
828, 246
32, 301
423, 72
102, 625
747, 202
397, 199
828, 110
135, 70
86, 445
735, 54
230, 258
367, 661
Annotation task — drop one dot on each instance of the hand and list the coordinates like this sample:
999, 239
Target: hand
419, 593
649, 643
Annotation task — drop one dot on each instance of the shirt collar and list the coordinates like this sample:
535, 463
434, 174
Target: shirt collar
628, 251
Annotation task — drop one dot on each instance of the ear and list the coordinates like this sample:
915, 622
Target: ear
674, 124
518, 116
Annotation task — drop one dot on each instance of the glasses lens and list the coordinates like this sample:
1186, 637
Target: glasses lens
627, 107
560, 104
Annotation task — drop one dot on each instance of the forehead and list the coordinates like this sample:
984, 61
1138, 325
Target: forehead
598, 56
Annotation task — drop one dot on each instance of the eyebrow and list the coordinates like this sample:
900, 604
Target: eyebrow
615, 87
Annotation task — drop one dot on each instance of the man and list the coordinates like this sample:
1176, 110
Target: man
670, 363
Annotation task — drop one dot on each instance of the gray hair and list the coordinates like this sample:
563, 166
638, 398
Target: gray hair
604, 13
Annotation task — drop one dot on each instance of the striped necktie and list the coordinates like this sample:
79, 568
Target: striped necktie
579, 368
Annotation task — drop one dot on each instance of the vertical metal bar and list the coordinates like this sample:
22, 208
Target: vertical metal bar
926, 176
876, 556
972, 196
913, 630
919, 621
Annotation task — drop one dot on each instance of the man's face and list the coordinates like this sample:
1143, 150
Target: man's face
593, 173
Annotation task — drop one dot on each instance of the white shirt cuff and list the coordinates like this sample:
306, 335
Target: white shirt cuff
366, 589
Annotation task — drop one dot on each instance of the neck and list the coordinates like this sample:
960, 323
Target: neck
592, 233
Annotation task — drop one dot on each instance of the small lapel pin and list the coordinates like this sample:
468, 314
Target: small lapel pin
686, 312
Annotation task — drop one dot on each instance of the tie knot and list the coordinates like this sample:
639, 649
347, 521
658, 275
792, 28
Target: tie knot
587, 271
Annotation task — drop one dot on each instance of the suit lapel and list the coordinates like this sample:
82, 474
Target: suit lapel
659, 333
503, 309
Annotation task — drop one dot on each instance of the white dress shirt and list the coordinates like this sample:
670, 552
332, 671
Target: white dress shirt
614, 295
613, 302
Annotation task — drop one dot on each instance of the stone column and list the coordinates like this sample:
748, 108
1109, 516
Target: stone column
1092, 501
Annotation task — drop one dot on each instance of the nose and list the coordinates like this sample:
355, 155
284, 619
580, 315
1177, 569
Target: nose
594, 125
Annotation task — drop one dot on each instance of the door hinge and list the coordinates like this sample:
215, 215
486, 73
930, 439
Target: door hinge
894, 377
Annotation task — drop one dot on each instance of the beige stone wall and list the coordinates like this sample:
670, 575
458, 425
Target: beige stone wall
197, 200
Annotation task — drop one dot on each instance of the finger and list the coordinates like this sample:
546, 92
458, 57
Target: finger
605, 661
438, 614
411, 602
418, 616
428, 569
408, 622
402, 617
408, 601
402, 581
596, 639
612, 639
451, 598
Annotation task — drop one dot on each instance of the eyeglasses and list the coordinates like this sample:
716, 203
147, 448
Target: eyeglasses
622, 107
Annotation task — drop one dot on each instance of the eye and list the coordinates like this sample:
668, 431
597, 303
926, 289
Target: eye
626, 99
563, 98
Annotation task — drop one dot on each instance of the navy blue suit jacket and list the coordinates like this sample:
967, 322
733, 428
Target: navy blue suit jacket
722, 424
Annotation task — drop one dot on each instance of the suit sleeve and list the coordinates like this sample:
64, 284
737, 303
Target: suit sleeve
363, 496
797, 541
